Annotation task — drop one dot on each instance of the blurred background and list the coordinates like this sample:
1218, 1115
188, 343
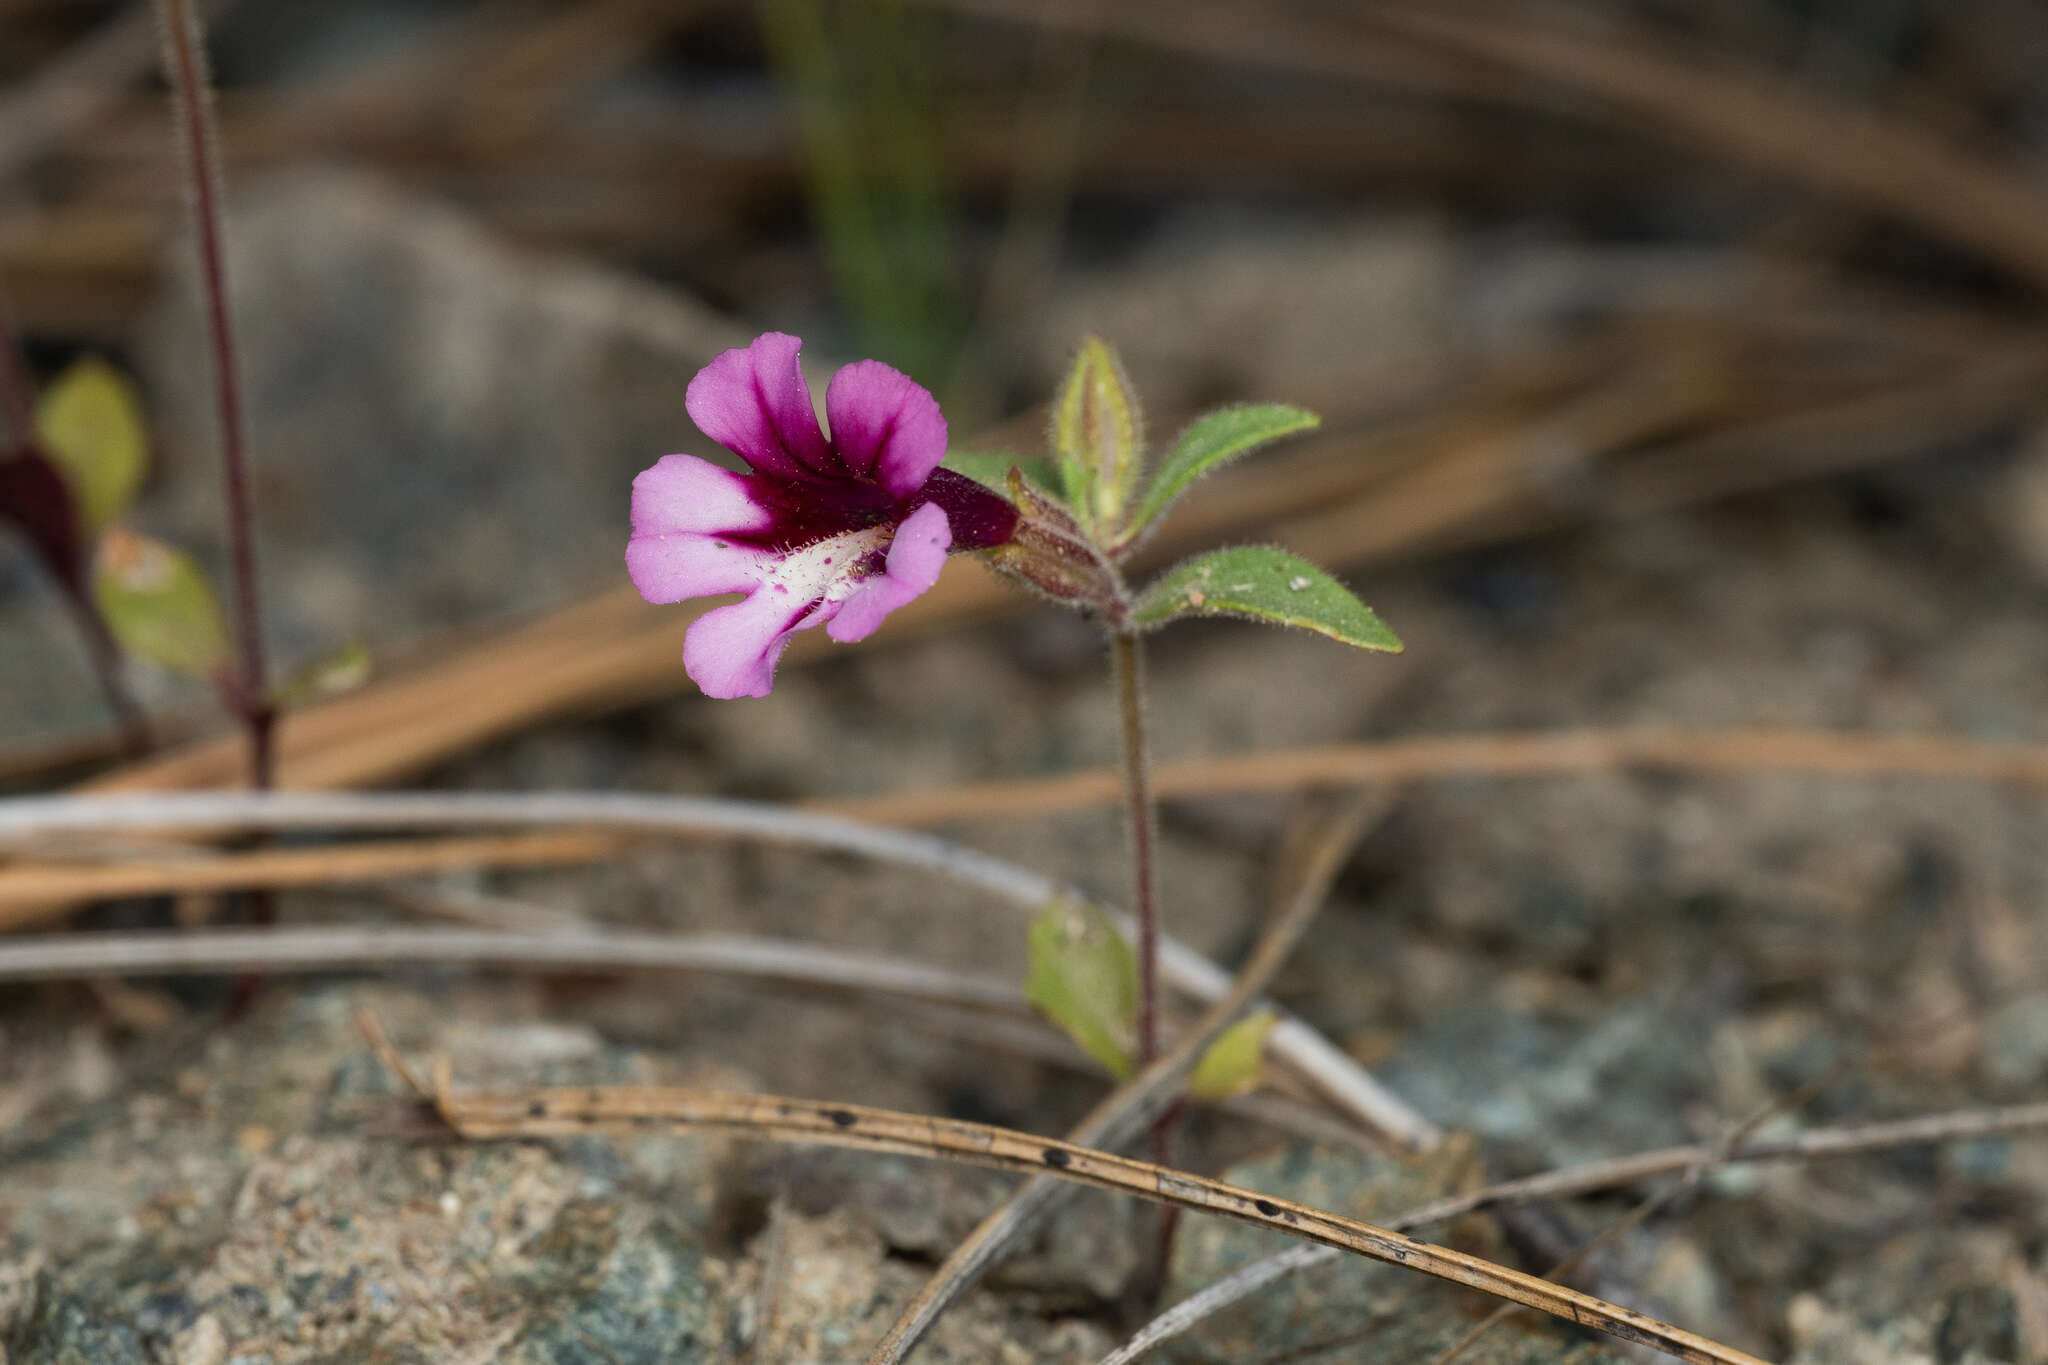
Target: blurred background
1681, 366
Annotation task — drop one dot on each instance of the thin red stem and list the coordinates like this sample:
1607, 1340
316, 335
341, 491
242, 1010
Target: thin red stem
1141, 823
185, 59
132, 720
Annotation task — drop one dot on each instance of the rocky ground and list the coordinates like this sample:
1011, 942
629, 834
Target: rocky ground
1561, 969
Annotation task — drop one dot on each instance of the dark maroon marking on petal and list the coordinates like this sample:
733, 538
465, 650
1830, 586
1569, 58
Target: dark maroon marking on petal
537, 1110
803, 511
979, 518
1056, 1158
845, 1118
1267, 1207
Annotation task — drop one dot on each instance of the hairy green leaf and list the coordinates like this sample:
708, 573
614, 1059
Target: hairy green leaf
158, 605
89, 422
1083, 977
1264, 584
1233, 1063
1215, 440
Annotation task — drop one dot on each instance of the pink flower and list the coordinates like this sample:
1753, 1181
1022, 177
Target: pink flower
838, 531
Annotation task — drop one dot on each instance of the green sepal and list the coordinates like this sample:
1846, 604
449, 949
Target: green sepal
1233, 1064
1212, 441
1083, 978
89, 423
1263, 584
158, 606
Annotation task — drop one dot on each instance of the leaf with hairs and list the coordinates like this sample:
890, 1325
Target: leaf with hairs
89, 422
1263, 584
1235, 1061
1084, 978
158, 605
1213, 441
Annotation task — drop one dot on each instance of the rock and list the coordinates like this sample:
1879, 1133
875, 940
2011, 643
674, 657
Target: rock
1352, 1304
135, 1229
1553, 1093
442, 427
2016, 1041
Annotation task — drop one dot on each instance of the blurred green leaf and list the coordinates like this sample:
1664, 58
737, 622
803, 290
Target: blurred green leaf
1084, 978
991, 468
158, 605
1234, 1062
1215, 440
340, 670
89, 422
862, 83
1264, 584
1098, 434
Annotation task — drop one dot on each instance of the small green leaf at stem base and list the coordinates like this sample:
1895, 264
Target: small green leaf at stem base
1233, 1063
328, 675
158, 605
1083, 978
89, 423
991, 469
1263, 584
1212, 441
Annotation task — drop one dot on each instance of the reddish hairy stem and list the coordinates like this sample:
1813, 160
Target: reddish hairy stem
1141, 819
132, 720
1141, 823
185, 61
249, 689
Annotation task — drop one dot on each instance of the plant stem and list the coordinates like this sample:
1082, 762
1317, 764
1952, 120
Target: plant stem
1141, 820
185, 63
1142, 825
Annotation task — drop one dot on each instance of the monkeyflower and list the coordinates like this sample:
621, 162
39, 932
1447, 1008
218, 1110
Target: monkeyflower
835, 530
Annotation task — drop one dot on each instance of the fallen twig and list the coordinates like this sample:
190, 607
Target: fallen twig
1312, 1057
27, 891
640, 1110
1818, 753
1599, 1175
351, 947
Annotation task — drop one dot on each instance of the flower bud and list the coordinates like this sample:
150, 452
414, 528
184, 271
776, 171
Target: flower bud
1097, 432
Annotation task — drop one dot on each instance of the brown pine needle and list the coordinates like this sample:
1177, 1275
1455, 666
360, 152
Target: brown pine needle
1818, 753
1643, 1211
27, 891
638, 1111
1925, 1130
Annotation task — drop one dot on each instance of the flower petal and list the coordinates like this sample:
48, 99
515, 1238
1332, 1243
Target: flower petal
915, 558
682, 565
684, 493
885, 426
752, 400
732, 651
